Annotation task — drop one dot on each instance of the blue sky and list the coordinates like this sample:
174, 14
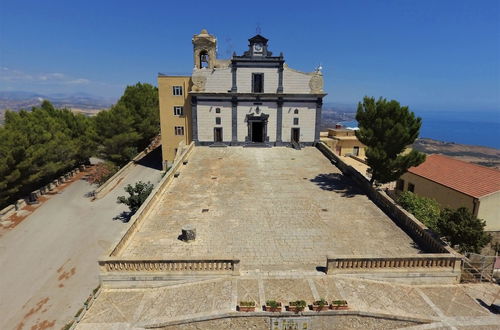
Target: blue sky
434, 55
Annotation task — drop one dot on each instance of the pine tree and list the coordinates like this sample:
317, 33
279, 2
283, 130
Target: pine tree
387, 128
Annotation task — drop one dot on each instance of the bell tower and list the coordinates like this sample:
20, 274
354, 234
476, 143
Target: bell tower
204, 45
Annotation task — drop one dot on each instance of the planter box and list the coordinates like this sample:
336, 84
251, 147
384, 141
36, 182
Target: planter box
273, 309
319, 308
341, 306
295, 309
246, 308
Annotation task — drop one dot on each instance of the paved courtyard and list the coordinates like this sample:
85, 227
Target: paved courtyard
272, 208
441, 307
49, 260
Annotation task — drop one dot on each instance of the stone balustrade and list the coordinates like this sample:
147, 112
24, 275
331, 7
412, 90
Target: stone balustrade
432, 260
219, 266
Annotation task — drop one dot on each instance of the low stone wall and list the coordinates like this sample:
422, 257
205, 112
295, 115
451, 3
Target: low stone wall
439, 258
34, 195
411, 225
198, 265
366, 263
142, 212
313, 320
7, 211
113, 181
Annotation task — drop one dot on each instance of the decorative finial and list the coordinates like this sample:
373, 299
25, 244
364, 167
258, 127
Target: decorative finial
204, 31
319, 68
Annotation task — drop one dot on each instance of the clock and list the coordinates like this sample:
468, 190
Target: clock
257, 48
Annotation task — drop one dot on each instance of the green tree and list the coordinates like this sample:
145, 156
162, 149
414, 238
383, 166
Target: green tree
424, 209
137, 195
461, 227
38, 145
387, 128
128, 126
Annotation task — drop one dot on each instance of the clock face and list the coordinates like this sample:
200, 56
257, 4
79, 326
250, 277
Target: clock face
257, 48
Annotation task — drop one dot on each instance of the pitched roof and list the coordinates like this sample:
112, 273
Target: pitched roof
470, 179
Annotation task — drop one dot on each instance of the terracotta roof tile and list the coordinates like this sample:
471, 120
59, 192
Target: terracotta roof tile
470, 179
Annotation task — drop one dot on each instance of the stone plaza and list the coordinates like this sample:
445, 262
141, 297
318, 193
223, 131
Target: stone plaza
272, 208
266, 221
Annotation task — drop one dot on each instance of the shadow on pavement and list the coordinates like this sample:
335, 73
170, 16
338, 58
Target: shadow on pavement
338, 183
152, 160
124, 216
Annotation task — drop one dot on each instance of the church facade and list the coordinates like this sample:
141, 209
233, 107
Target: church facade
253, 99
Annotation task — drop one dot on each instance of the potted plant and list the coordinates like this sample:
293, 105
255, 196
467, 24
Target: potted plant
246, 306
320, 305
297, 306
339, 304
273, 306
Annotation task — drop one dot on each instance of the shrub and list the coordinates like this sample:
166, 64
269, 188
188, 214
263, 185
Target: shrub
138, 194
102, 172
247, 303
424, 209
463, 228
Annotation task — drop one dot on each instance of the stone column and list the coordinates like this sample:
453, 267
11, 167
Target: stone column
234, 120
194, 118
279, 122
234, 87
319, 105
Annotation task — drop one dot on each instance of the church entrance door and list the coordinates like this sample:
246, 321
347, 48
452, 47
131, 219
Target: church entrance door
257, 130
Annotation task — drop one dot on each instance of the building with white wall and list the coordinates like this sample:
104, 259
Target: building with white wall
253, 99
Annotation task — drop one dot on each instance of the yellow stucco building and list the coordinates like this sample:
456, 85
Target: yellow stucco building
175, 114
454, 183
343, 142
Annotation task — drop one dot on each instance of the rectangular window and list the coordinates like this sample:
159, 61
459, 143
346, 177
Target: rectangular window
411, 187
179, 130
400, 185
178, 111
217, 110
295, 121
257, 82
177, 90
217, 120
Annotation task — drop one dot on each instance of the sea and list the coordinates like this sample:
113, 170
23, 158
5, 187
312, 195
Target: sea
480, 128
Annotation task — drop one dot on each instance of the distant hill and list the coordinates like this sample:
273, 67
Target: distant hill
78, 102
333, 113
485, 156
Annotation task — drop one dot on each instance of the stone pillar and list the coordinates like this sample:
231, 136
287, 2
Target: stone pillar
319, 105
194, 118
234, 119
234, 87
279, 122
280, 75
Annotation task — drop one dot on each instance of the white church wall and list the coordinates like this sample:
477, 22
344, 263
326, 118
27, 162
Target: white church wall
206, 114
307, 120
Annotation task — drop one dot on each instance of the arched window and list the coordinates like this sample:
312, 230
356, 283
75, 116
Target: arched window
296, 111
204, 58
